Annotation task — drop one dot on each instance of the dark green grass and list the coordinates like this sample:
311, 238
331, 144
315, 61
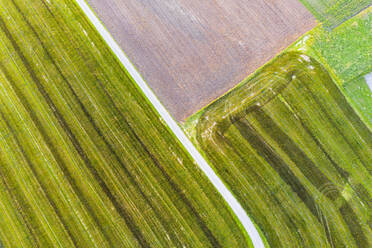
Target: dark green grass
295, 154
85, 161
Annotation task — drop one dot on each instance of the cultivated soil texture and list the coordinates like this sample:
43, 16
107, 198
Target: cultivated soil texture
191, 52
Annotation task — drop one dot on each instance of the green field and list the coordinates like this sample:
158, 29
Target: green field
85, 161
333, 12
294, 152
360, 98
346, 53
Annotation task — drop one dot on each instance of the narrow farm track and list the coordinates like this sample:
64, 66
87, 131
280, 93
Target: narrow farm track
295, 154
85, 161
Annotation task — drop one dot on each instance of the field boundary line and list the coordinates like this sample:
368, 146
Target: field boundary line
174, 127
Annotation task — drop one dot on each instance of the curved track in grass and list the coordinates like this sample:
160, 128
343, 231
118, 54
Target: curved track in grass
295, 154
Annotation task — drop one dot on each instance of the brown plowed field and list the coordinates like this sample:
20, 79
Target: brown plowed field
192, 51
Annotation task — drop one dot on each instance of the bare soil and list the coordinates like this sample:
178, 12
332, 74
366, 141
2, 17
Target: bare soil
190, 52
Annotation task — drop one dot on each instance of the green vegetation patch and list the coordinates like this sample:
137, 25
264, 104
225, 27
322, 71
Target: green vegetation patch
346, 50
333, 12
360, 97
346, 53
85, 161
295, 154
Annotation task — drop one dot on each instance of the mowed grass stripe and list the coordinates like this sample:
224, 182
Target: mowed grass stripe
106, 167
115, 155
19, 228
288, 137
48, 147
45, 149
43, 131
78, 148
62, 122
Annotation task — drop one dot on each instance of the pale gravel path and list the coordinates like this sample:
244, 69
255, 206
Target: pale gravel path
216, 181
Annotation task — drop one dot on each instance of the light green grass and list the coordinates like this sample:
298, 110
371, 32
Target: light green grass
294, 153
346, 53
85, 161
360, 97
333, 12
